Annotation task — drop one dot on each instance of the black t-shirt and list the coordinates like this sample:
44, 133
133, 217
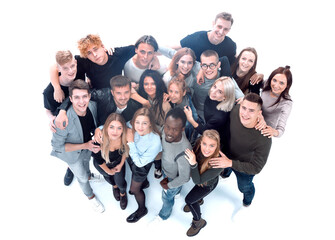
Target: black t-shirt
88, 126
114, 158
199, 43
100, 75
48, 93
49, 101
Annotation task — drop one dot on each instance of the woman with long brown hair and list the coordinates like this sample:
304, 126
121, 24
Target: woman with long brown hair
244, 72
277, 102
203, 175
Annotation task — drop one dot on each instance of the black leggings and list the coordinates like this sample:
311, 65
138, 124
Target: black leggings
197, 193
116, 179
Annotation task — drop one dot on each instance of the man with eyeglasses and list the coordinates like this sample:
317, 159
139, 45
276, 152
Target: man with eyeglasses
216, 39
212, 68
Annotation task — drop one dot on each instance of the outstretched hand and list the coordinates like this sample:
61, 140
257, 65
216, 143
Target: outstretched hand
221, 162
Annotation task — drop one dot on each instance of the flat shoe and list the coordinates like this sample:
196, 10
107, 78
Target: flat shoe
137, 215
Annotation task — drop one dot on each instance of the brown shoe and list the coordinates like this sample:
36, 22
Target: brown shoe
123, 201
187, 208
196, 227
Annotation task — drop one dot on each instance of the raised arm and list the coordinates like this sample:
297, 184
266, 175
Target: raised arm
54, 79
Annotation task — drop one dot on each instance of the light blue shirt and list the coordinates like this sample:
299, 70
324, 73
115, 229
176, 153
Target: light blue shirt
145, 148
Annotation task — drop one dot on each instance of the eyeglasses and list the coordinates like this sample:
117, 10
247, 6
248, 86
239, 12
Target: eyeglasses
211, 66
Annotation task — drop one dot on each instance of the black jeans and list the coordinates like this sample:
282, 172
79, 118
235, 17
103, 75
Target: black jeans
197, 193
116, 179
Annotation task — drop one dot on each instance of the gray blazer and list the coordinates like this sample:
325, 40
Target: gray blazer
73, 133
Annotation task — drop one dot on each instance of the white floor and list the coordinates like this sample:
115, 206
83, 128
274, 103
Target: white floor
294, 192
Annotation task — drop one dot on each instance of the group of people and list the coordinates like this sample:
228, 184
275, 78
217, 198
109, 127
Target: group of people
204, 115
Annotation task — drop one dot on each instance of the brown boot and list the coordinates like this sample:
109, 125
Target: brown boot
196, 227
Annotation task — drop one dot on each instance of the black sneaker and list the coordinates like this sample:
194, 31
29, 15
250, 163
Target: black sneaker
68, 177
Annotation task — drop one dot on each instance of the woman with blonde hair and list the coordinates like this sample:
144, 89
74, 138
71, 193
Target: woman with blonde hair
219, 103
203, 175
111, 158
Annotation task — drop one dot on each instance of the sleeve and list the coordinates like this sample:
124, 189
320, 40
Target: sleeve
167, 52
225, 67
184, 172
206, 176
48, 99
124, 54
232, 57
188, 41
238, 91
142, 158
58, 140
82, 67
65, 104
98, 95
285, 113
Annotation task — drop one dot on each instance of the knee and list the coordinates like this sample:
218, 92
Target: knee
135, 190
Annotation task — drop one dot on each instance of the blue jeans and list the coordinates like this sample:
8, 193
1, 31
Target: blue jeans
81, 171
244, 183
168, 201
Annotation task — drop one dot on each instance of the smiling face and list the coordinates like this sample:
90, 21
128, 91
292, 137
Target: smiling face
185, 64
144, 54
220, 29
68, 72
216, 93
142, 125
97, 54
115, 130
121, 96
173, 129
208, 146
247, 61
249, 113
278, 83
176, 93
80, 99
212, 64
149, 87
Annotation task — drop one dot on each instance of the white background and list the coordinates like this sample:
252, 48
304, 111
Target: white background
293, 192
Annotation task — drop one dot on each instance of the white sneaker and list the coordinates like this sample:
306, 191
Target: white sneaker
94, 177
156, 221
97, 205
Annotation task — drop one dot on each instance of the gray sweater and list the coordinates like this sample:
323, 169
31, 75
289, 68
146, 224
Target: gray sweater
276, 116
177, 169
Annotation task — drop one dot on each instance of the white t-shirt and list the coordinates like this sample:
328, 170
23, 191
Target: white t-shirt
134, 73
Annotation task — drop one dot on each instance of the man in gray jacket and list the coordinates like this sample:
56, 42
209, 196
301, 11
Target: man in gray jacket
73, 145
176, 168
